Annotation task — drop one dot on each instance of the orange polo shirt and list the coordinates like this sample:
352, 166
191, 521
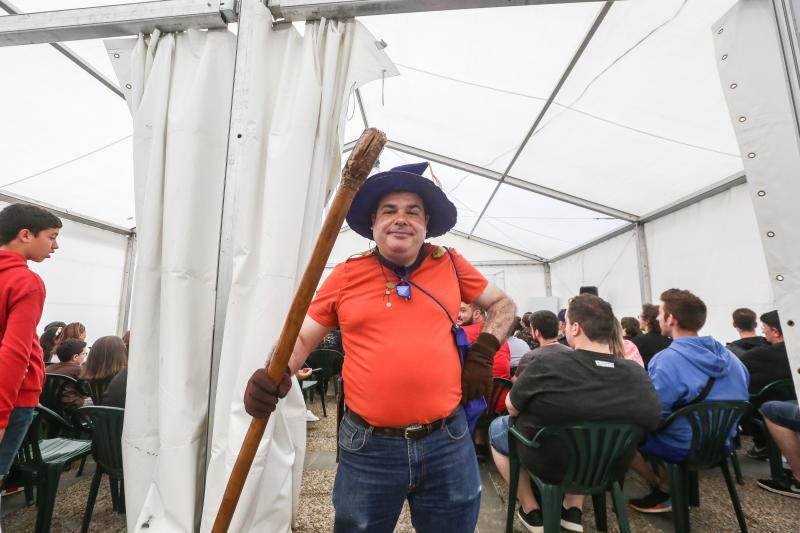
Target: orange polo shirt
401, 364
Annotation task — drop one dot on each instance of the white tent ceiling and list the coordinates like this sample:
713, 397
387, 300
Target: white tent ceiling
640, 122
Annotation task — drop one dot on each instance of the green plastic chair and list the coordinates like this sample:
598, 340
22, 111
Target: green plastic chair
594, 449
105, 425
781, 390
329, 362
711, 424
45, 458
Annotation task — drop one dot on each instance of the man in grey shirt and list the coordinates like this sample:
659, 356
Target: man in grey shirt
544, 328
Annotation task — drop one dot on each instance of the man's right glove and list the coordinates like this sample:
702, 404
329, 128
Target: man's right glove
476, 376
261, 395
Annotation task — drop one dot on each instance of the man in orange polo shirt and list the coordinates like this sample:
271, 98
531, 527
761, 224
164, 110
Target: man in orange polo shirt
404, 435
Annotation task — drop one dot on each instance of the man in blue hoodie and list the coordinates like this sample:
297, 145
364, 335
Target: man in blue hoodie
690, 370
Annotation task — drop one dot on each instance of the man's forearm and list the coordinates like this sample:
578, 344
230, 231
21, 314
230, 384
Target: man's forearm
499, 317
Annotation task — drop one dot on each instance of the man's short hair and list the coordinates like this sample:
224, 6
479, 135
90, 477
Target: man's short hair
689, 310
650, 317
546, 323
69, 349
744, 319
594, 315
771, 319
17, 217
562, 315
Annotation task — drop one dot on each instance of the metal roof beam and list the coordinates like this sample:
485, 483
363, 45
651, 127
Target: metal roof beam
67, 214
499, 246
707, 192
72, 56
601, 15
114, 21
296, 10
510, 180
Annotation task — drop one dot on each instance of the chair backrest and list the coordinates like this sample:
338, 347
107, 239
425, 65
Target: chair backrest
329, 361
500, 388
53, 392
46, 424
712, 424
594, 449
105, 425
780, 390
96, 388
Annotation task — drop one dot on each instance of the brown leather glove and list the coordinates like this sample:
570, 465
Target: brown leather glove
261, 395
476, 376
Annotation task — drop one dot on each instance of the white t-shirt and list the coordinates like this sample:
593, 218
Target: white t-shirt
518, 348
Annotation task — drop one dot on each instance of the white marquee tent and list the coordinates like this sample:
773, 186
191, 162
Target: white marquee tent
633, 145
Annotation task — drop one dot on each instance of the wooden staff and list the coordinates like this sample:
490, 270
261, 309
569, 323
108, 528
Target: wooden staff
356, 170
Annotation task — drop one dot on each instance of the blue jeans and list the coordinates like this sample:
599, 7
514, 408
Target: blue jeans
783, 413
438, 474
18, 423
498, 435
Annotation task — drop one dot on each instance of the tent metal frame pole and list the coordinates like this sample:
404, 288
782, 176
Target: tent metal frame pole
510, 180
601, 15
65, 213
499, 246
11, 9
298, 10
115, 21
123, 319
548, 280
237, 145
643, 263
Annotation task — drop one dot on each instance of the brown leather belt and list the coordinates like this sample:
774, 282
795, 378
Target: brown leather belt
412, 432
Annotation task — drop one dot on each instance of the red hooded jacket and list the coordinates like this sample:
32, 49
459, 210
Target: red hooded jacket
21, 363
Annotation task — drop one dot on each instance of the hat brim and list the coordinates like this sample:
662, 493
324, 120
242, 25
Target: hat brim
440, 210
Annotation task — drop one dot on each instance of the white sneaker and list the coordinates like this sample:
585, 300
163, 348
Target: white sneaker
311, 417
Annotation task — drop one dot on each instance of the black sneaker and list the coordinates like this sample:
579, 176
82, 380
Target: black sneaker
758, 452
572, 519
657, 501
533, 521
786, 487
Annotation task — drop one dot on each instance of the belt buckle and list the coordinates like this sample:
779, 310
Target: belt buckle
412, 427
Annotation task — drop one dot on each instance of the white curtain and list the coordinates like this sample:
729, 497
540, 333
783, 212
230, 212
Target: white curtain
179, 89
291, 159
180, 100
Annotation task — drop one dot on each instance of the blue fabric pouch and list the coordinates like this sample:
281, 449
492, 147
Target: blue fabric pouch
473, 408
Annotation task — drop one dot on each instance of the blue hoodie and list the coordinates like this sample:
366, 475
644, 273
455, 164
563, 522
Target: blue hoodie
680, 372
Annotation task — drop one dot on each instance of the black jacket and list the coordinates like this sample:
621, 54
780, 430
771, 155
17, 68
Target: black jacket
767, 364
650, 344
740, 346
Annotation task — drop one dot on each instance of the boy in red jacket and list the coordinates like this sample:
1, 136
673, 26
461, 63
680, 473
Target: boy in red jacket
27, 233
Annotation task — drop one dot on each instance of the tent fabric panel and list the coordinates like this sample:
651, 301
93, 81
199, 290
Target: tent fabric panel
540, 225
648, 116
450, 59
181, 107
713, 249
56, 113
525, 284
611, 266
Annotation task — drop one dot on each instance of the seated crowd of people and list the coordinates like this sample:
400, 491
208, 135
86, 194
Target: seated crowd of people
66, 353
585, 365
